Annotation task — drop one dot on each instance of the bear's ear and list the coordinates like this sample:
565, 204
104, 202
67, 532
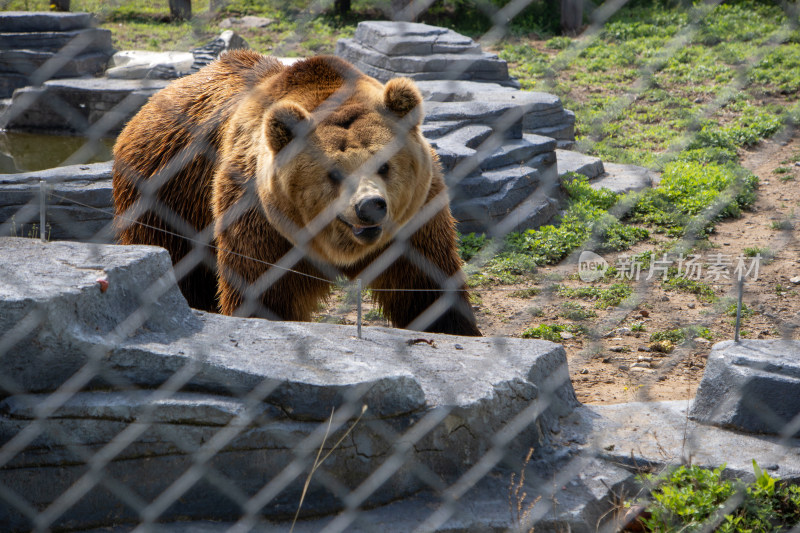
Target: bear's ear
284, 122
402, 97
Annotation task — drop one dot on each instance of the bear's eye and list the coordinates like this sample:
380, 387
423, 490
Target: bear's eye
384, 170
336, 176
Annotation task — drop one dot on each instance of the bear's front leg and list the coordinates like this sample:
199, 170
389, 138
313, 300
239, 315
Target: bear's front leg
250, 286
429, 267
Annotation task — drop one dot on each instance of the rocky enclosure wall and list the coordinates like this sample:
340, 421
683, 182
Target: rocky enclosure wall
147, 357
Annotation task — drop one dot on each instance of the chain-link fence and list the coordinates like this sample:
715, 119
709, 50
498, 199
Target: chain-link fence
303, 192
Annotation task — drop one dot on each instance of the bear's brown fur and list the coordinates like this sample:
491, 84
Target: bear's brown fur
284, 178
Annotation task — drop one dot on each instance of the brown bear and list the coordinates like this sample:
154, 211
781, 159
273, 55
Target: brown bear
266, 183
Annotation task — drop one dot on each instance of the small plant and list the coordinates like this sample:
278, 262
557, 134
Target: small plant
728, 306
638, 327
518, 505
782, 225
374, 314
574, 311
550, 332
754, 251
610, 296
679, 335
470, 244
690, 498
525, 293
704, 291
558, 43
535, 311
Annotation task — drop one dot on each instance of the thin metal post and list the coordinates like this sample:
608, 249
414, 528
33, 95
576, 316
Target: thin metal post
42, 209
739, 309
358, 286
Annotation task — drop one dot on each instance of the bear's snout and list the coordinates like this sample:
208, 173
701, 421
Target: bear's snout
371, 210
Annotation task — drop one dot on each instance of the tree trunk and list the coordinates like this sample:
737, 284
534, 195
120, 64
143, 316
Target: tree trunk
342, 7
180, 9
60, 5
571, 16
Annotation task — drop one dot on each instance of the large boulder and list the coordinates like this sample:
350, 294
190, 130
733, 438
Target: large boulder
753, 386
101, 352
37, 46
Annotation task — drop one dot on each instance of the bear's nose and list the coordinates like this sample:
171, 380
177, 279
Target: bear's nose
371, 210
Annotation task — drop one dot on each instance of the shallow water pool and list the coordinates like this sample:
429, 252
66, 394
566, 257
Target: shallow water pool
28, 152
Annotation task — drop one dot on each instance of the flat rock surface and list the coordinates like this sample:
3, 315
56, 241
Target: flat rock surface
31, 21
569, 161
661, 433
87, 172
111, 320
752, 386
623, 179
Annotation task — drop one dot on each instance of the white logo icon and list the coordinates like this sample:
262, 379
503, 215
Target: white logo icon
591, 266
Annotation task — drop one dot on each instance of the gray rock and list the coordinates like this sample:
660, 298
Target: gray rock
32, 21
475, 66
588, 165
26, 62
409, 38
459, 90
138, 64
85, 173
502, 116
562, 132
752, 386
522, 151
623, 179
75, 105
89, 40
78, 207
10, 82
656, 434
577, 506
227, 40
256, 391
511, 199
248, 21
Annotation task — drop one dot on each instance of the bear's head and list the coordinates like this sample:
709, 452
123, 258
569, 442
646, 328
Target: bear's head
342, 157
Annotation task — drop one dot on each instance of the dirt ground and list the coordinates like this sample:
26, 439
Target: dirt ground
614, 362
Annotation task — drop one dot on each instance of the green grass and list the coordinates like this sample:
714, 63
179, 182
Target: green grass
551, 332
603, 297
575, 311
680, 335
689, 498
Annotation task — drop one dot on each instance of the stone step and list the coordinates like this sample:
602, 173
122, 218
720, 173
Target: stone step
28, 61
88, 40
459, 90
529, 195
522, 151
491, 183
78, 103
409, 38
623, 179
39, 21
562, 132
88, 185
496, 114
482, 66
399, 381
569, 161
